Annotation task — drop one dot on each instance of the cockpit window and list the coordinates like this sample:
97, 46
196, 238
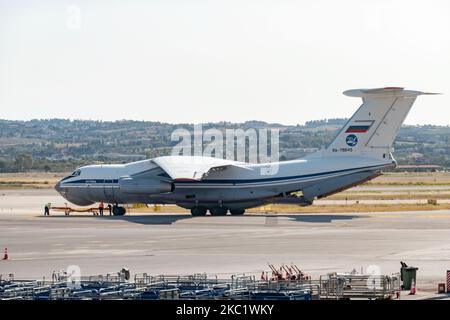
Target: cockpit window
76, 173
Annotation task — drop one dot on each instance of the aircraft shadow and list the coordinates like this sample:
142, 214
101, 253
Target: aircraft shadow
150, 219
321, 218
168, 219
141, 219
311, 218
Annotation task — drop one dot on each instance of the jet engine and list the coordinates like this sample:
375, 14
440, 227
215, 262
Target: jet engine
144, 186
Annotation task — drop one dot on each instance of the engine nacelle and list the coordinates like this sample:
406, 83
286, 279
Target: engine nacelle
144, 186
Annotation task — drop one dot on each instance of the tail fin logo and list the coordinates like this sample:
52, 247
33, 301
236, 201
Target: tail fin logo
351, 140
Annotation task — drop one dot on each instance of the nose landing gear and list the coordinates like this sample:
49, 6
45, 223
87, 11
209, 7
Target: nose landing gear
118, 211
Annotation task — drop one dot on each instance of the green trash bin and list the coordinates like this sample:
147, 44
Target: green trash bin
407, 274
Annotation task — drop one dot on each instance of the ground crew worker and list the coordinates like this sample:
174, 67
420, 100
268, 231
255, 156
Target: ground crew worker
47, 209
100, 208
110, 209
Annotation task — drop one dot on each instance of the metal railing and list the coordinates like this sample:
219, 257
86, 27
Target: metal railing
351, 286
202, 286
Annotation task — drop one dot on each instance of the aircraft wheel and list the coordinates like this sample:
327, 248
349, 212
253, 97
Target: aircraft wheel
198, 211
218, 211
119, 211
237, 212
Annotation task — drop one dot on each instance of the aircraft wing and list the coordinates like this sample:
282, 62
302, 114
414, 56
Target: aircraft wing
194, 168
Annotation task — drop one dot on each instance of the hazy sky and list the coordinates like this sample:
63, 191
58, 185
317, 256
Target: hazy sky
197, 61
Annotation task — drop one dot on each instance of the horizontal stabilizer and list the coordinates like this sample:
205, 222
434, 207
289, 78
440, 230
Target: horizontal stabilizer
386, 91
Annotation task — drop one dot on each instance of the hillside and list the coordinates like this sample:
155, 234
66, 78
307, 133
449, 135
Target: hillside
59, 145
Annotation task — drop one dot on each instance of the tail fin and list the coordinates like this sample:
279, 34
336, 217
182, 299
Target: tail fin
374, 126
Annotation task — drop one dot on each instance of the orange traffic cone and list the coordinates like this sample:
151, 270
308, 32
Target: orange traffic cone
5, 255
413, 287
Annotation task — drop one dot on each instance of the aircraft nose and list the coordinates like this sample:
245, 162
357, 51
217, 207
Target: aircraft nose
58, 187
77, 197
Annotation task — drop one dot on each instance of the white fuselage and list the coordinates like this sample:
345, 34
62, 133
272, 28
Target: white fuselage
359, 152
244, 185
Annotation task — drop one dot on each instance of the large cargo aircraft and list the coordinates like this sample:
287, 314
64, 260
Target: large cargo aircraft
360, 151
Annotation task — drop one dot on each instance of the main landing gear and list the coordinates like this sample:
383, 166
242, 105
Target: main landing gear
215, 211
237, 212
118, 211
218, 211
198, 211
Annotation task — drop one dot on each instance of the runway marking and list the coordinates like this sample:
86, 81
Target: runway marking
96, 251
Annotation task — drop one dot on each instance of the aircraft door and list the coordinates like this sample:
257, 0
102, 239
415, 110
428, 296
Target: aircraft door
109, 190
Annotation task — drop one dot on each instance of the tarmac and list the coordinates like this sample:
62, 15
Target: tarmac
159, 243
